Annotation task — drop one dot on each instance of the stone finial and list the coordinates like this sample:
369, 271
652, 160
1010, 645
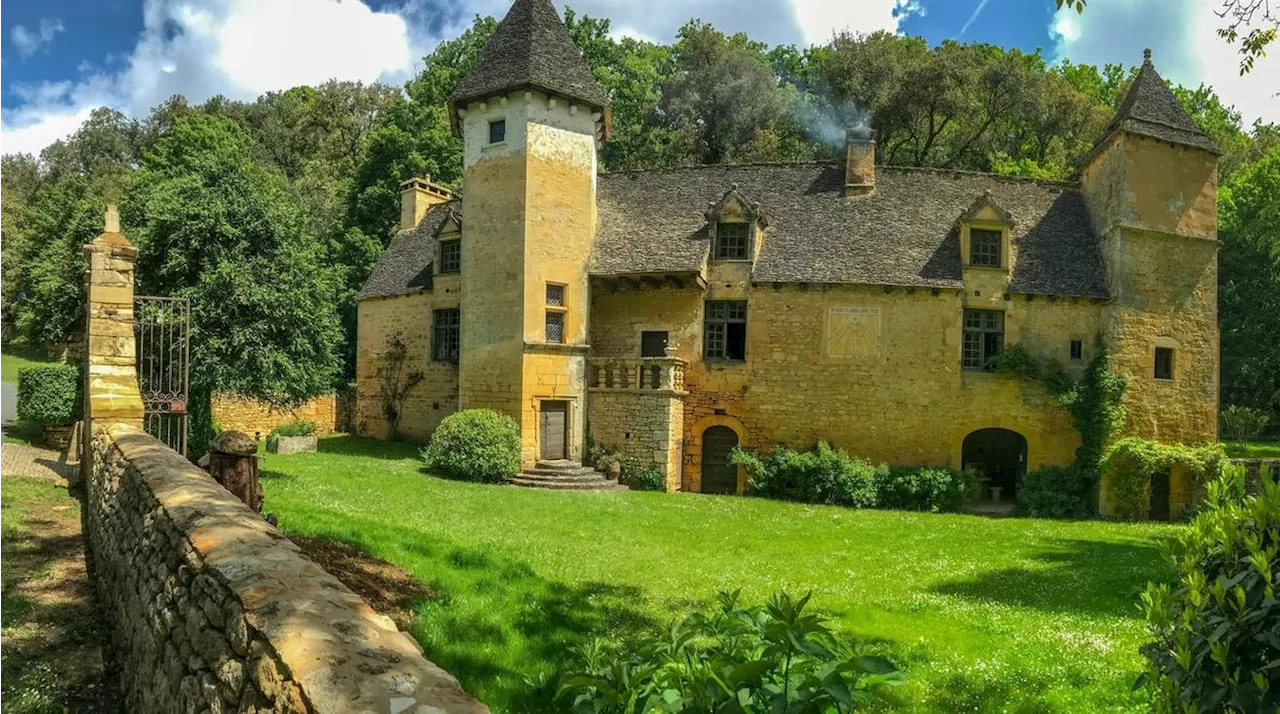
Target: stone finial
1146, 56
111, 219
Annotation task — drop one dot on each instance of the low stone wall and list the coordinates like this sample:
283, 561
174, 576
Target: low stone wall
1253, 471
645, 424
330, 412
212, 610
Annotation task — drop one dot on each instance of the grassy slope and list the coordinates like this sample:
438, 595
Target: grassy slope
1036, 615
11, 363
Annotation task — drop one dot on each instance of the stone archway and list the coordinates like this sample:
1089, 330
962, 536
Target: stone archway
998, 455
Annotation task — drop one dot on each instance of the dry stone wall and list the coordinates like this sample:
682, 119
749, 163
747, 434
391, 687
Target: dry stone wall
212, 610
646, 425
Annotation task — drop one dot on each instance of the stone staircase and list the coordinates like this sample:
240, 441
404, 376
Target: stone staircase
565, 475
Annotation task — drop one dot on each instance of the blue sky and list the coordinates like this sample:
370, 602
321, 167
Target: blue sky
61, 58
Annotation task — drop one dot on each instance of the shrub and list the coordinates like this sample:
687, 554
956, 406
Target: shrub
1214, 645
295, 427
924, 488
777, 658
820, 475
1060, 492
475, 445
648, 479
1131, 462
1244, 423
49, 394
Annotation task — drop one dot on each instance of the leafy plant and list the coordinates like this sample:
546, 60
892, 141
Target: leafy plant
1059, 492
1215, 632
1243, 423
776, 658
295, 427
395, 381
49, 394
821, 475
1132, 461
631, 473
923, 488
647, 479
475, 445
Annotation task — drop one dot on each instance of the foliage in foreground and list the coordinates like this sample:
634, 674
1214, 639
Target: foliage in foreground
1059, 492
1215, 633
295, 427
48, 394
1132, 462
475, 445
776, 658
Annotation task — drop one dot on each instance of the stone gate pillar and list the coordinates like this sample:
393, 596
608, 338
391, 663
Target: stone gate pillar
111, 392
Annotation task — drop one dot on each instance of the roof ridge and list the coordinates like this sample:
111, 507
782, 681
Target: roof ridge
838, 164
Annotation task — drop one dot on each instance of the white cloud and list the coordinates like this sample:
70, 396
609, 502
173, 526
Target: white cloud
237, 48
1184, 43
819, 20
28, 41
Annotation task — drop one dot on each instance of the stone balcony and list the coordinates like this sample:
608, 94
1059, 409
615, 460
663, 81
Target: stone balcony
647, 374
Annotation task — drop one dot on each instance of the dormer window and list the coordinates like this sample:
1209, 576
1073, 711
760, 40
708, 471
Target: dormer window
451, 256
984, 247
731, 241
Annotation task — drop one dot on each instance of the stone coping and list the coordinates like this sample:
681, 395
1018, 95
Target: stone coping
342, 655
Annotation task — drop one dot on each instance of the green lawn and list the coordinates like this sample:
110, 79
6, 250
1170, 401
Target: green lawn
11, 363
1253, 449
983, 614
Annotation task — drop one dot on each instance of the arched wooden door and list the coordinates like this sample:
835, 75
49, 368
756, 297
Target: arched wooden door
718, 475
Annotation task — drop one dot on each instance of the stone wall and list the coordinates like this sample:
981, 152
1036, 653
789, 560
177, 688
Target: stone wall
327, 411
645, 424
212, 610
1253, 471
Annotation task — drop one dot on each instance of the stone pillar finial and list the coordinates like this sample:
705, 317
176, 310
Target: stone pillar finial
111, 220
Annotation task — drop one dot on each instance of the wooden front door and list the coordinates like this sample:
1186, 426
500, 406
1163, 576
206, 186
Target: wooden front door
718, 475
1159, 509
553, 428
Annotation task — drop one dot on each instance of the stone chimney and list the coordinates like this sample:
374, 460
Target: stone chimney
417, 196
859, 162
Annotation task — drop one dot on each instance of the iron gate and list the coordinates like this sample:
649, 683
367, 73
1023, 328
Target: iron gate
162, 334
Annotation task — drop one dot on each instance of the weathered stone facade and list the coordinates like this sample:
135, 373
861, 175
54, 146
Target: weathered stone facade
854, 287
212, 610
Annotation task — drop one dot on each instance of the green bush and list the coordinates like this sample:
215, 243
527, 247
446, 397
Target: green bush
821, 475
49, 394
923, 488
1059, 492
1244, 423
295, 427
648, 479
776, 658
475, 445
1215, 632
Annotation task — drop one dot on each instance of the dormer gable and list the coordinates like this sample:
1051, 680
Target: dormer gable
450, 226
984, 234
736, 226
448, 235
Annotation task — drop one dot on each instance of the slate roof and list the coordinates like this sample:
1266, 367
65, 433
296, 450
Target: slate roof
904, 234
1151, 109
405, 266
530, 48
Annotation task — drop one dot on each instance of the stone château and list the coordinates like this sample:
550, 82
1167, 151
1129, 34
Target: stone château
674, 314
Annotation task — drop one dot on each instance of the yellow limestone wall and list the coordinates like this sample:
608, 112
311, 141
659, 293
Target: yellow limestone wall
530, 219
1156, 210
887, 387
437, 395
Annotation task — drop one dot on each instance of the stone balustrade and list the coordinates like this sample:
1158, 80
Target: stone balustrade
646, 373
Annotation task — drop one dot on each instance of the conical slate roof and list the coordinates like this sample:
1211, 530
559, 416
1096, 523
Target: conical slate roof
530, 48
1151, 109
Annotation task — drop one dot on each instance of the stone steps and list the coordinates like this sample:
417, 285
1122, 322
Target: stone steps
565, 476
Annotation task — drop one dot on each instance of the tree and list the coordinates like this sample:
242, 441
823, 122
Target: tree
213, 225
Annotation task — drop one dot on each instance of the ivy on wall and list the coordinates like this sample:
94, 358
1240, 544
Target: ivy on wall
1133, 461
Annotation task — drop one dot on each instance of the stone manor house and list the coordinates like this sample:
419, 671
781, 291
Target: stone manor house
672, 314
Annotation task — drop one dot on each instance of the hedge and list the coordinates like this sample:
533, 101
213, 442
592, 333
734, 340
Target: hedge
49, 395
475, 445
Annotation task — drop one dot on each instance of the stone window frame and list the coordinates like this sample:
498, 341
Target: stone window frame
450, 264
973, 220
446, 334
717, 320
1075, 351
555, 321
498, 127
980, 330
1164, 370
734, 208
